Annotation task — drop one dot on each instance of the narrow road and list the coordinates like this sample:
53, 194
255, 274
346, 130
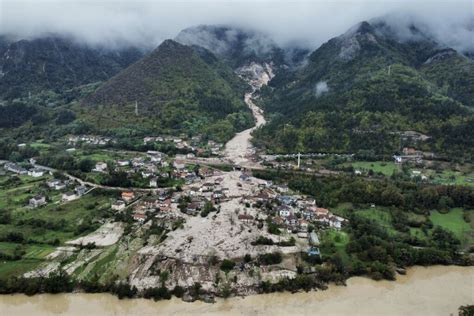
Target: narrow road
91, 184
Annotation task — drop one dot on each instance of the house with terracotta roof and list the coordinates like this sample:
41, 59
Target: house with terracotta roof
128, 196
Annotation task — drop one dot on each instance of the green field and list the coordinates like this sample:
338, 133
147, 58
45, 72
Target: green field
339, 238
382, 217
40, 145
16, 268
454, 222
42, 228
385, 167
452, 177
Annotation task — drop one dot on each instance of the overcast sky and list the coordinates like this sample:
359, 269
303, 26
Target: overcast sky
150, 22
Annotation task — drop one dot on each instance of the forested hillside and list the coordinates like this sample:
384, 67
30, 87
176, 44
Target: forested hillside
174, 88
361, 91
55, 64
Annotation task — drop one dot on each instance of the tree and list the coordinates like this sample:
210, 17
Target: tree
65, 117
86, 165
227, 265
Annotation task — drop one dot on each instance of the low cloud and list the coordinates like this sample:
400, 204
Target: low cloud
307, 23
320, 88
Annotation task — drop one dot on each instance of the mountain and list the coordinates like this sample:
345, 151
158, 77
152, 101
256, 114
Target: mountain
361, 91
56, 63
235, 45
174, 88
240, 47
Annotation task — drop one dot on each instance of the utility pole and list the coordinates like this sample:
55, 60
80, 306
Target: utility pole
389, 67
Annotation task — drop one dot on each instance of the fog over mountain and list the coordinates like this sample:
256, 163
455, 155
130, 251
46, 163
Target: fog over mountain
307, 23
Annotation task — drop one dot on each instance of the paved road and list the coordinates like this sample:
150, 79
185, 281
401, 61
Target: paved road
94, 185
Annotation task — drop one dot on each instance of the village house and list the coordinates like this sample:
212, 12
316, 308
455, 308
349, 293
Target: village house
409, 151
282, 188
206, 172
194, 191
303, 225
313, 240
81, 190
193, 208
321, 211
245, 218
218, 180
138, 162
292, 221
244, 177
286, 199
139, 217
60, 186
118, 205
37, 201
123, 163
165, 206
155, 153
100, 166
151, 203
179, 164
284, 211
336, 222
69, 196
207, 187
128, 196
262, 196
89, 139
190, 177
12, 167
277, 220
217, 194
147, 173
52, 183
36, 172
153, 182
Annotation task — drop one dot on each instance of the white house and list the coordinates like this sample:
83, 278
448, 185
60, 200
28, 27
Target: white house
153, 182
69, 196
118, 205
179, 164
100, 166
284, 211
52, 183
36, 172
282, 188
123, 163
60, 186
37, 201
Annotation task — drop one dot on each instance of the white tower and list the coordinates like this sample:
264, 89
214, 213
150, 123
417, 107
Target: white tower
299, 160
136, 108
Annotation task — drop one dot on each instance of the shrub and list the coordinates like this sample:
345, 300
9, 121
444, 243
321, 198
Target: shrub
227, 265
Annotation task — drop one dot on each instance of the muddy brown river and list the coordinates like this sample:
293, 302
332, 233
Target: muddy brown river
423, 291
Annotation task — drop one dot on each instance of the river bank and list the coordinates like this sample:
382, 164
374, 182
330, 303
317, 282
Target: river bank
437, 290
